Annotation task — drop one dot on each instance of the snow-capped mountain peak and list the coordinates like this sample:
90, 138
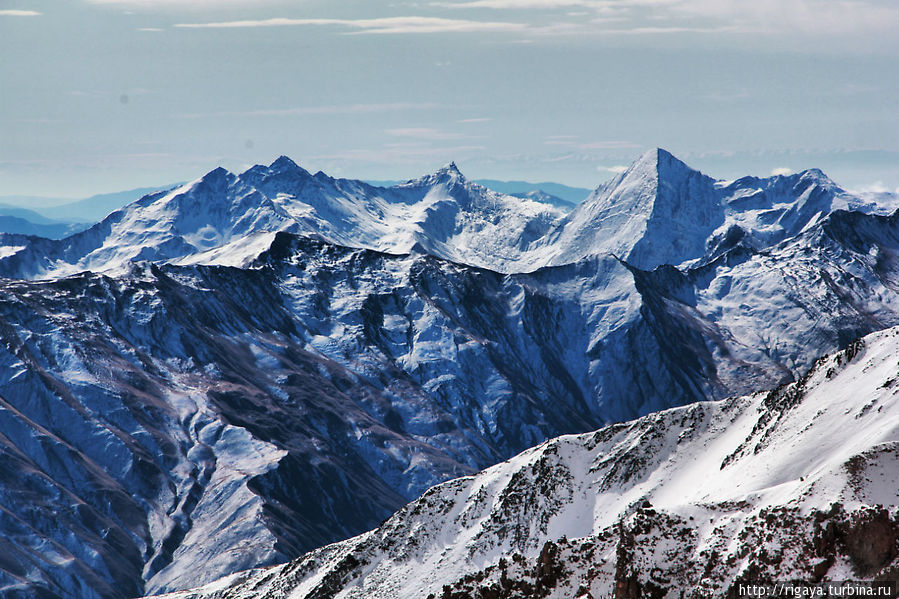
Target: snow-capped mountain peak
657, 160
284, 163
447, 175
816, 174
659, 211
450, 170
657, 165
281, 175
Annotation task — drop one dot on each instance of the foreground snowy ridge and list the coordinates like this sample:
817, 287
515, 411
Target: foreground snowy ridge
797, 483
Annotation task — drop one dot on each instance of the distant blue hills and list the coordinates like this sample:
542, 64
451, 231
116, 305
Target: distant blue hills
55, 218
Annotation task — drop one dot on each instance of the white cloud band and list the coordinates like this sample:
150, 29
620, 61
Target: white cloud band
382, 25
19, 13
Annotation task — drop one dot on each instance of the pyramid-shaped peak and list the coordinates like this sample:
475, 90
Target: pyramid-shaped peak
663, 154
217, 176
657, 167
659, 211
449, 174
217, 173
818, 176
283, 164
450, 170
659, 161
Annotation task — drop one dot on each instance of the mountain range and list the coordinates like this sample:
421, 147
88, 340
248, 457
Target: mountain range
247, 367
657, 212
56, 218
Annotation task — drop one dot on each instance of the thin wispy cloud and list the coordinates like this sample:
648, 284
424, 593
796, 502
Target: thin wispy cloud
82, 93
346, 109
476, 120
609, 145
796, 16
596, 5
401, 154
190, 4
876, 187
40, 121
726, 96
395, 25
516, 4
665, 17
782, 171
19, 13
610, 17
571, 141
423, 133
670, 30
616, 169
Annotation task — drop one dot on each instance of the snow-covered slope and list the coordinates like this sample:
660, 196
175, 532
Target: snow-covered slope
799, 483
659, 211
198, 216
443, 214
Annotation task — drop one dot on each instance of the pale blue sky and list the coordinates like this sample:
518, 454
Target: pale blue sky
102, 95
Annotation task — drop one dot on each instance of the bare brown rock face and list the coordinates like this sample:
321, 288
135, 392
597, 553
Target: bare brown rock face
871, 541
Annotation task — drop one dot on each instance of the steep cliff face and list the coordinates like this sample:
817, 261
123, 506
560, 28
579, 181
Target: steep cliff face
170, 418
268, 362
798, 483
